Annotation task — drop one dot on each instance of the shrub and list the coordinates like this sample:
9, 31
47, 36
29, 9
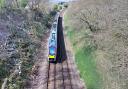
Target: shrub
24, 3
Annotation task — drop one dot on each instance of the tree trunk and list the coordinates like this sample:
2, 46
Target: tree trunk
4, 84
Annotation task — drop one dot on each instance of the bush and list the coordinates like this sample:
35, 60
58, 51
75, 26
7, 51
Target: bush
22, 44
24, 3
1, 3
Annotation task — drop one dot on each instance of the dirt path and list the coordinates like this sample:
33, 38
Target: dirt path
39, 73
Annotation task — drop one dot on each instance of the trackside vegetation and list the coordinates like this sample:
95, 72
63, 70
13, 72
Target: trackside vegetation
87, 65
99, 35
25, 31
85, 60
1, 3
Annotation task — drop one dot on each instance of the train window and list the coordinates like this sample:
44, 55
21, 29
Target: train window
53, 36
54, 25
52, 43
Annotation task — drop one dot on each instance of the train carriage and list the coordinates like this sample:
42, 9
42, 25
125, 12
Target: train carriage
53, 40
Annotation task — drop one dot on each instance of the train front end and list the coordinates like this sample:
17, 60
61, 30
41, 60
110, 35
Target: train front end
52, 54
52, 46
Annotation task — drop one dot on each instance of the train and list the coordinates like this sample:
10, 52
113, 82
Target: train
53, 40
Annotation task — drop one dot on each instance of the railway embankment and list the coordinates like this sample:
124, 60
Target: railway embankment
21, 34
97, 30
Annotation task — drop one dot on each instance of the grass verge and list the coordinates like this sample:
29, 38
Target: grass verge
87, 67
85, 58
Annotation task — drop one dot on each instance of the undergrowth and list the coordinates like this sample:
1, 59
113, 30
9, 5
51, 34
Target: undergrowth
22, 45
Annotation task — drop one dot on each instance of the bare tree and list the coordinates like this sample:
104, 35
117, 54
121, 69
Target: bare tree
107, 21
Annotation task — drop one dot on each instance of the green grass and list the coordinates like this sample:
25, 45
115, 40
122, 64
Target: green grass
87, 67
70, 34
85, 60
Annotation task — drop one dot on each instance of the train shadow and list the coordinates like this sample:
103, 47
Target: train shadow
61, 51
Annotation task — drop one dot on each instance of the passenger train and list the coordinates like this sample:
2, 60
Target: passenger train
53, 40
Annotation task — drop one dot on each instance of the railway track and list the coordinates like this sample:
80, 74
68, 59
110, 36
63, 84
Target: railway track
59, 76
59, 73
51, 80
62, 75
67, 75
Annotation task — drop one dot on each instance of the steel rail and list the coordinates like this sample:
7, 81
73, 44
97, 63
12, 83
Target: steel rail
50, 76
